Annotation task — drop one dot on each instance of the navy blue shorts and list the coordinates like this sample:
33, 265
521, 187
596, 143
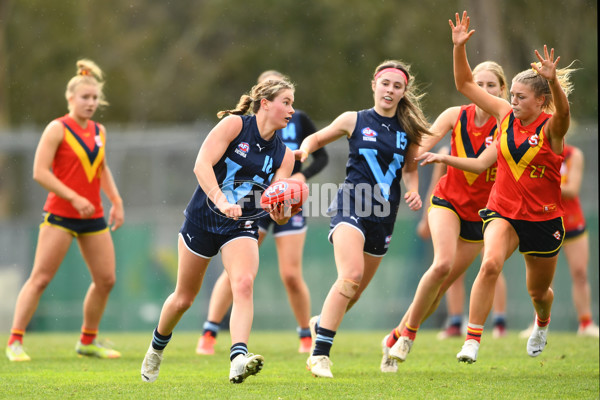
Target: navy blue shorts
75, 226
470, 231
536, 238
207, 244
296, 224
377, 235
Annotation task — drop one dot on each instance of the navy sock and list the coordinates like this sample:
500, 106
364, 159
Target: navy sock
323, 342
303, 332
159, 342
237, 349
210, 327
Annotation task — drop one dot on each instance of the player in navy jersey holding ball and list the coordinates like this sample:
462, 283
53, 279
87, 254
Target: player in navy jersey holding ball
238, 159
289, 240
383, 143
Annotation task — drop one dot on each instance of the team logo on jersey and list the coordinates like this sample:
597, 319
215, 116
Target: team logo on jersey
99, 141
275, 190
534, 140
242, 149
549, 207
369, 135
557, 235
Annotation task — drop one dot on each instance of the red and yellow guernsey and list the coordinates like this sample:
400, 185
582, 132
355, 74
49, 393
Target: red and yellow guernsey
528, 180
573, 219
466, 191
78, 163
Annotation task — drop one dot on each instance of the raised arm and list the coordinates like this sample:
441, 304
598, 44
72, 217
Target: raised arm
463, 77
558, 125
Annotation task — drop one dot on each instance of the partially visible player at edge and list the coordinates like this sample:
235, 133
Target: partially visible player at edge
289, 241
383, 143
70, 163
576, 247
524, 209
240, 156
454, 222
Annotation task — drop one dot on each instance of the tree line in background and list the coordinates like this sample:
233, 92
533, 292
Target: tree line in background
182, 61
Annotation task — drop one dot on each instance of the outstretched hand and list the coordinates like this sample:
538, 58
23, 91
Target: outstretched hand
430, 158
460, 32
546, 68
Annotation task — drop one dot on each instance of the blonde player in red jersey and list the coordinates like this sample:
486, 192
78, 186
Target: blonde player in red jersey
70, 163
576, 247
524, 209
453, 219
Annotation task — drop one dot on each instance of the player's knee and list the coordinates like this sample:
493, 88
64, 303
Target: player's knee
292, 282
347, 287
440, 269
491, 267
182, 303
242, 287
107, 283
539, 295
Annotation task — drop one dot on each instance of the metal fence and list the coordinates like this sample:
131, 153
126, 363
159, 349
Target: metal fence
153, 170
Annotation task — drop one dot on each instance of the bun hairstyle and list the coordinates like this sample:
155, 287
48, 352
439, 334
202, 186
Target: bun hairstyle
89, 73
251, 102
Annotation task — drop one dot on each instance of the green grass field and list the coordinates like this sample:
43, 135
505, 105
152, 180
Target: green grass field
568, 369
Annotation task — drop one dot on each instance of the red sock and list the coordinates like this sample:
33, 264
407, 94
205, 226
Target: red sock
542, 323
585, 320
16, 335
474, 332
410, 332
87, 335
393, 337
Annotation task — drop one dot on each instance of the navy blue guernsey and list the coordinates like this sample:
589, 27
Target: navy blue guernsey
293, 135
246, 168
377, 148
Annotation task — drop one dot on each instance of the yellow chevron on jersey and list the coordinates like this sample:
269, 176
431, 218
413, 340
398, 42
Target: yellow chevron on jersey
91, 160
518, 158
464, 149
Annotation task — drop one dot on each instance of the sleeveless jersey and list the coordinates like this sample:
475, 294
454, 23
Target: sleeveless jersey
377, 148
574, 219
78, 163
466, 191
246, 168
528, 179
